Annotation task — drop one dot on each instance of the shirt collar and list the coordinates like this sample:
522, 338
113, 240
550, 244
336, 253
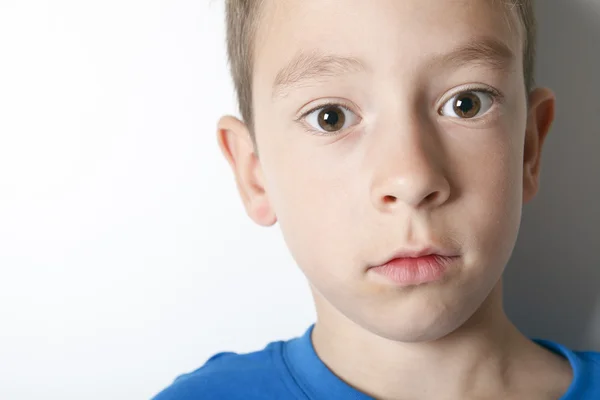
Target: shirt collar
316, 379
312, 375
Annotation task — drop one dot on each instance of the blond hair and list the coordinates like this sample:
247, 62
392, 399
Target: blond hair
242, 18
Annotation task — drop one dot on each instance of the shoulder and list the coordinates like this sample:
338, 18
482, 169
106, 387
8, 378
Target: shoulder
590, 361
233, 376
587, 379
586, 371
593, 357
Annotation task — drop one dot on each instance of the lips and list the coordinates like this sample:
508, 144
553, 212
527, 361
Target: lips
420, 253
416, 267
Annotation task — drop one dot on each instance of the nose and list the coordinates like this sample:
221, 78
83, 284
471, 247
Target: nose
408, 171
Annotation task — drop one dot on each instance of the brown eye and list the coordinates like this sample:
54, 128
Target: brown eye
467, 105
331, 118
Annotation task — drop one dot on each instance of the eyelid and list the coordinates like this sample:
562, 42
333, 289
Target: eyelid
474, 87
327, 103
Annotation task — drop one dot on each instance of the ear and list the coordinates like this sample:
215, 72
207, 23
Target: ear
238, 148
539, 120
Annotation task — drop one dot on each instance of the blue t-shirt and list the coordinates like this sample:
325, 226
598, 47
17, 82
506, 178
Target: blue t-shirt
291, 370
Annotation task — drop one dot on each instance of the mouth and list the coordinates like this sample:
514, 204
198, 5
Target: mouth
416, 267
422, 252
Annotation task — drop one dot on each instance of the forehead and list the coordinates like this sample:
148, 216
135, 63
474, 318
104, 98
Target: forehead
392, 35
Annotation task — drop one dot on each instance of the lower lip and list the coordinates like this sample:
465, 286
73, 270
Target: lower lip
415, 271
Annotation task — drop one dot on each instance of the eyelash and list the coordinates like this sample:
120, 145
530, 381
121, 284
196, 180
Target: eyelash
497, 97
322, 106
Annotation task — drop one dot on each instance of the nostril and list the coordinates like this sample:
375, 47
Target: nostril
432, 196
389, 199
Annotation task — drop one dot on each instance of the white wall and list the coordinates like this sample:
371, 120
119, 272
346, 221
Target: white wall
125, 255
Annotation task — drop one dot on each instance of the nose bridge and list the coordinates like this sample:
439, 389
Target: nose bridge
408, 164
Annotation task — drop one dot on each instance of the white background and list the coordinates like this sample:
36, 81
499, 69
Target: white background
126, 257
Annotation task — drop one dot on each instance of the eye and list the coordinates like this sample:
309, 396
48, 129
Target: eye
468, 105
331, 118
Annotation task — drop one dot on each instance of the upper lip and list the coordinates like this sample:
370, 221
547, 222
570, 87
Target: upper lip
420, 252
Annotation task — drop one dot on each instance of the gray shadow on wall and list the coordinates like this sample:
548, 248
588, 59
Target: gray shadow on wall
552, 283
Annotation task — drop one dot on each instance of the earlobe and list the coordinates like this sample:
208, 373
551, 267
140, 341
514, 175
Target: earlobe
539, 121
237, 147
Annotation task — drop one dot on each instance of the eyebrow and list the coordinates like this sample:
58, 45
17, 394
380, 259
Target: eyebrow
313, 66
485, 51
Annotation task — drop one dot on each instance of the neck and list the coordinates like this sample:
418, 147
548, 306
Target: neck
479, 357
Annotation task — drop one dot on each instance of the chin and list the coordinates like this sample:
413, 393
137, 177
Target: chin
413, 332
417, 324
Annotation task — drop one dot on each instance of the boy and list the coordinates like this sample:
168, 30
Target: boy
395, 141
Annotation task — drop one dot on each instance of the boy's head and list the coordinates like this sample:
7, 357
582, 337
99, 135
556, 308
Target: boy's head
387, 126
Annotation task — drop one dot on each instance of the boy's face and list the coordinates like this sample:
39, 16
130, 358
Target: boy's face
428, 142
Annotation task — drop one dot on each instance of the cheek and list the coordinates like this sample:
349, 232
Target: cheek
301, 191
313, 204
492, 200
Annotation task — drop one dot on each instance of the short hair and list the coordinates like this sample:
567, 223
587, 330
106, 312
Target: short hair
242, 19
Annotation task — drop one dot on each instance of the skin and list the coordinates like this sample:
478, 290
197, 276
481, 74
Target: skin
401, 175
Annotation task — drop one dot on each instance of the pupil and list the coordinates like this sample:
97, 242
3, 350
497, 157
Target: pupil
331, 118
465, 105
